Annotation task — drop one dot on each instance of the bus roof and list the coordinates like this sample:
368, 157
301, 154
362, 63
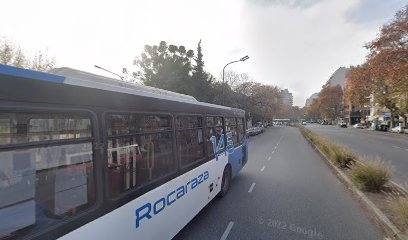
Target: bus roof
75, 77
86, 79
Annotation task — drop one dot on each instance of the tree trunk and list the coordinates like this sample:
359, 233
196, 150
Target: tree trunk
392, 121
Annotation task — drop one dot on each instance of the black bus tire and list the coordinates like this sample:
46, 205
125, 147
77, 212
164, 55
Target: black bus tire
226, 181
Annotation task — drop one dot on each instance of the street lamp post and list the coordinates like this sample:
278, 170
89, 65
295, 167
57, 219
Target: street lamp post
223, 72
106, 70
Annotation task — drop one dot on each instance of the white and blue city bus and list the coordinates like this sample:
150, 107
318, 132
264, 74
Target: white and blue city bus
85, 156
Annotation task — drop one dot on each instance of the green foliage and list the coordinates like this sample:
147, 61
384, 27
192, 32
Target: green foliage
371, 176
170, 67
202, 81
177, 69
166, 67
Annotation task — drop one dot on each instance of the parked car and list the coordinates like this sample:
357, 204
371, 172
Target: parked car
358, 125
260, 129
303, 123
342, 125
397, 129
406, 130
252, 131
384, 126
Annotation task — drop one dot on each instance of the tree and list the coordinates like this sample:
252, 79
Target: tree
331, 98
170, 67
14, 56
39, 62
358, 86
237, 88
201, 80
313, 111
388, 63
260, 100
6, 52
167, 67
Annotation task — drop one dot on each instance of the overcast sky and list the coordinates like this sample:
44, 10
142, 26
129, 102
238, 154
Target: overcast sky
294, 44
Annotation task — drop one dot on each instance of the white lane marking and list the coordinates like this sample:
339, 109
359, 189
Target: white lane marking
398, 147
227, 231
269, 158
263, 168
251, 188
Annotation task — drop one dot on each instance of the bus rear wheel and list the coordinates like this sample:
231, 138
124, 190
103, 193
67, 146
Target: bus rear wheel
226, 182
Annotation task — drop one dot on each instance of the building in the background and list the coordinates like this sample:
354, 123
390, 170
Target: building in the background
338, 77
311, 98
351, 115
286, 97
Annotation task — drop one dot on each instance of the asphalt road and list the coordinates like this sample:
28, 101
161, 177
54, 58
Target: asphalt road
391, 147
287, 192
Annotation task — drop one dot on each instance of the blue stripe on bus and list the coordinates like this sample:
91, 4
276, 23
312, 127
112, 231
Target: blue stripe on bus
19, 72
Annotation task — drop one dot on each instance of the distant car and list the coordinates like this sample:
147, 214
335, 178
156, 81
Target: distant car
252, 131
358, 125
342, 125
303, 123
397, 129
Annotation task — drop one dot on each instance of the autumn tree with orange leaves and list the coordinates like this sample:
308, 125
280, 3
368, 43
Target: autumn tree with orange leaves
331, 102
313, 111
385, 73
358, 86
328, 105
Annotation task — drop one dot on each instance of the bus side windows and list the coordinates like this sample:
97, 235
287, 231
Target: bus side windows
241, 130
231, 126
140, 150
190, 139
214, 128
44, 182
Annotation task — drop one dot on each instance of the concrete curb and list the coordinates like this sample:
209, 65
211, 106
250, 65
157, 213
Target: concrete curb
364, 199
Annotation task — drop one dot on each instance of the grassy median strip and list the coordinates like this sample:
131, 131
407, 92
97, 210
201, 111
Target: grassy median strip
371, 176
337, 154
401, 209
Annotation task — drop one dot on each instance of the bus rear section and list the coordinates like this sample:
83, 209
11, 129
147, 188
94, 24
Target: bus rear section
79, 162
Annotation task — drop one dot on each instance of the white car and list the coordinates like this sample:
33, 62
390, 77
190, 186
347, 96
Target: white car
397, 129
358, 125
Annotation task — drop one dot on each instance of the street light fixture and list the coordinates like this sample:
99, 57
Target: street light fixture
223, 73
106, 70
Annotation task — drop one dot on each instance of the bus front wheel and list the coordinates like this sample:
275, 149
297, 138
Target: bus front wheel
226, 181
